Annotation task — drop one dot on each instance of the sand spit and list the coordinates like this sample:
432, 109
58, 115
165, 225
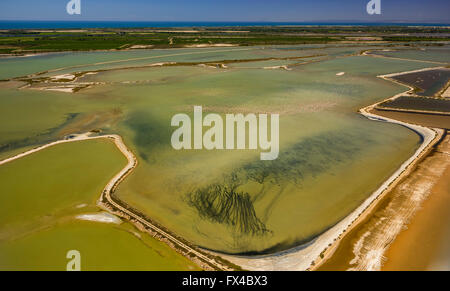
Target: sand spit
104, 217
64, 77
278, 67
11, 56
427, 120
368, 53
64, 89
446, 93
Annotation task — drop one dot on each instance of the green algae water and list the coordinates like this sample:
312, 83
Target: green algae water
41, 196
331, 158
102, 248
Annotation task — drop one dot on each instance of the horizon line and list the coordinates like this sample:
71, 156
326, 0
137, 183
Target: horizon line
237, 21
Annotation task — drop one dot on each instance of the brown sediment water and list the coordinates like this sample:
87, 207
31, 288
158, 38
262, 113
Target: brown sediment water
428, 233
388, 237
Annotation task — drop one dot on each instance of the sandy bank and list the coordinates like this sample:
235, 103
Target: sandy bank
141, 46
63, 77
307, 256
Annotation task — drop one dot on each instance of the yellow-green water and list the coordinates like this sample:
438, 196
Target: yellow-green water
102, 248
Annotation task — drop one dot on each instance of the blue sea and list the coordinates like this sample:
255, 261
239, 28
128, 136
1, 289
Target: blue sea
12, 24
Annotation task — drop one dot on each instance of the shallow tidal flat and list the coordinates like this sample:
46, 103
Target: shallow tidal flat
41, 196
429, 120
331, 158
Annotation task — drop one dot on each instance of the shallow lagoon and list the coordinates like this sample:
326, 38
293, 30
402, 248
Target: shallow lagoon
431, 54
331, 158
43, 193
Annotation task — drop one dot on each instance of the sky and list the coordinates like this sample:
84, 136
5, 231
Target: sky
413, 11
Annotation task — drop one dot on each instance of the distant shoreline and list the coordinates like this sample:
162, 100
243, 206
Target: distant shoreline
62, 24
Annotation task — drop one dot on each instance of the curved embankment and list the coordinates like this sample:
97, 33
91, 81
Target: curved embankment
117, 207
311, 255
